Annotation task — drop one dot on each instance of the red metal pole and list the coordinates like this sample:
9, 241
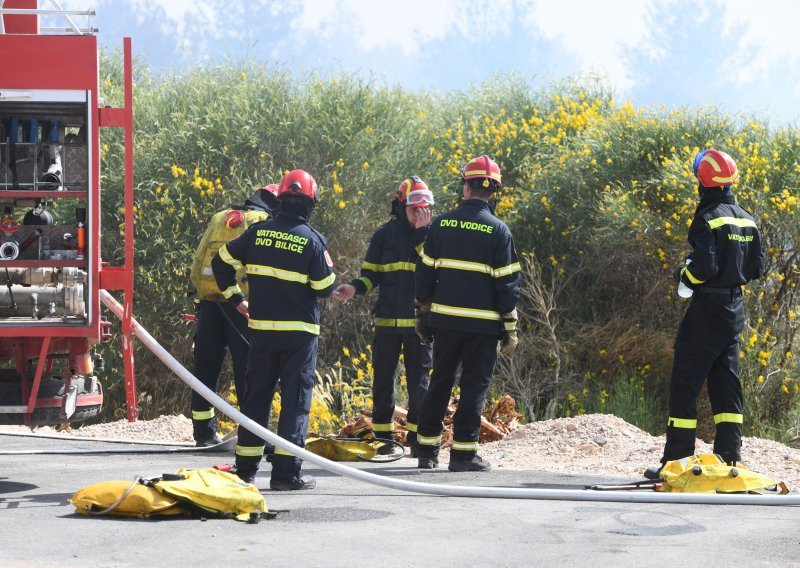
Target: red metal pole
127, 326
37, 378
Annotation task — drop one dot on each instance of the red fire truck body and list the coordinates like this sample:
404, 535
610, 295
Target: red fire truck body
51, 267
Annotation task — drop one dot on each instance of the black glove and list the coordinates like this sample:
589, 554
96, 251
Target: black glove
510, 340
422, 327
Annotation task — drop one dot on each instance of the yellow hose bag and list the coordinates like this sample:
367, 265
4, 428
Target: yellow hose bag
707, 473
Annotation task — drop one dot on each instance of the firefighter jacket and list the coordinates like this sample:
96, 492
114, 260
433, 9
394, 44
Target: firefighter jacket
389, 266
726, 244
288, 267
469, 271
217, 234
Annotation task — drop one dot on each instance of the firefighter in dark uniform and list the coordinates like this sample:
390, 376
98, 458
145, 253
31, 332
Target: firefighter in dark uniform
219, 325
467, 287
726, 255
389, 265
288, 267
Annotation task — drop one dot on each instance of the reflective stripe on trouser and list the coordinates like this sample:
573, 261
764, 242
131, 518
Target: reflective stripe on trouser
385, 356
477, 353
292, 358
215, 336
707, 348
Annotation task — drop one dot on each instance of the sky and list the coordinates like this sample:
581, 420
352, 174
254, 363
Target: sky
741, 56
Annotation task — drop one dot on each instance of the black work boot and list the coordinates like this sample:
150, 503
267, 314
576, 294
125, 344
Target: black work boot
208, 442
653, 473
475, 464
296, 484
247, 476
427, 463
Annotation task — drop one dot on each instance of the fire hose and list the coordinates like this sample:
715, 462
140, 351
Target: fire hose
432, 488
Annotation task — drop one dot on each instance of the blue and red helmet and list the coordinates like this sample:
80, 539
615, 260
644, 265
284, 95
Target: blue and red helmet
714, 168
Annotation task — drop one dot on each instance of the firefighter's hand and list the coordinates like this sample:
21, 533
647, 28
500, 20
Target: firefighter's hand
422, 327
344, 292
422, 217
242, 308
510, 339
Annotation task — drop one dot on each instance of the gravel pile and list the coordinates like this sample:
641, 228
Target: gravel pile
599, 444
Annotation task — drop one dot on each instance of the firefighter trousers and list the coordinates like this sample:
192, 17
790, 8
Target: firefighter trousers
216, 335
385, 356
288, 358
707, 347
476, 353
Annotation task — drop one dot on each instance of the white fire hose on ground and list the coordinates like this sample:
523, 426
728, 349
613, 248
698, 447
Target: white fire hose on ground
433, 488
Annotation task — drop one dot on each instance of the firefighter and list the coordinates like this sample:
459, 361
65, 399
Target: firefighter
389, 265
467, 287
726, 255
288, 268
219, 325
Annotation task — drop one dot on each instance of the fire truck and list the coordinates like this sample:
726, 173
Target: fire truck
51, 264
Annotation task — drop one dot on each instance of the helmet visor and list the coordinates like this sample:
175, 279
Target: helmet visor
420, 198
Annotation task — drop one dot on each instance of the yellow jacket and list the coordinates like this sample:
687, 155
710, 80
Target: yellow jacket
217, 234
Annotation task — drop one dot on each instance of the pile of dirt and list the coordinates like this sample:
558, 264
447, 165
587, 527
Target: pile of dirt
162, 429
599, 444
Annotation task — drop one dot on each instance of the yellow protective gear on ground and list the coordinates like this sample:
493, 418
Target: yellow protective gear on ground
217, 234
707, 473
217, 493
200, 492
141, 502
342, 450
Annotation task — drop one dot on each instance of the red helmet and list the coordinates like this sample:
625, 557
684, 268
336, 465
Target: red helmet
414, 192
299, 182
715, 169
273, 188
483, 167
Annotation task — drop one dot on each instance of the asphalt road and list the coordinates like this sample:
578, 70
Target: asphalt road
349, 523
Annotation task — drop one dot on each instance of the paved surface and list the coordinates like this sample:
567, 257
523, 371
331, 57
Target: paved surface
349, 523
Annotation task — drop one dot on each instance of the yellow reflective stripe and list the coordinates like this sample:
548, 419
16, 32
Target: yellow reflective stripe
506, 270
203, 414
389, 267
250, 451
682, 422
324, 283
228, 292
728, 417
472, 266
735, 221
418, 248
464, 312
270, 325
465, 446
367, 282
690, 276
280, 452
510, 325
383, 427
226, 257
494, 175
428, 261
429, 440
280, 274
463, 265
411, 427
389, 322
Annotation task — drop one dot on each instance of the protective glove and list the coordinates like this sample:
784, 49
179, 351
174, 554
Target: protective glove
510, 340
422, 327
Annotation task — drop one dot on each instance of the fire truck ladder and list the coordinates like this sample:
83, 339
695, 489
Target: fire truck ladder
57, 10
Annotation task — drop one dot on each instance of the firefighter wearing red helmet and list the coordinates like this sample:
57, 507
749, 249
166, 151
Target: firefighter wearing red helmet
726, 255
219, 326
389, 266
467, 287
288, 267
